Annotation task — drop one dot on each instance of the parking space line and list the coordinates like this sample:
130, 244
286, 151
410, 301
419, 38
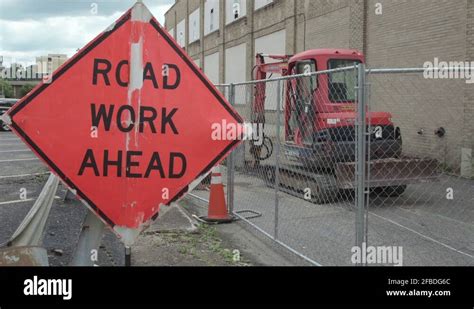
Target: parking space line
24, 200
423, 235
23, 175
14, 150
15, 160
19, 142
16, 201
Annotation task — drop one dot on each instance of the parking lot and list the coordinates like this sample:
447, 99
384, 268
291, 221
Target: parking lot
22, 177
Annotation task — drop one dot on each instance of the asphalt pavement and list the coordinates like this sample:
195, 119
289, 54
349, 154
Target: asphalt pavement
431, 229
22, 176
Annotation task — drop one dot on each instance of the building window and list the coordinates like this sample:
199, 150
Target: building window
194, 30
235, 9
181, 33
261, 3
236, 69
211, 16
211, 67
211, 27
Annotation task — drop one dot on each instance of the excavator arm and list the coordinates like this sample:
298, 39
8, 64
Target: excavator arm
261, 71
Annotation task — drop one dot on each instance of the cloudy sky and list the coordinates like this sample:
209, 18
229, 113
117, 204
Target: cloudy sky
30, 28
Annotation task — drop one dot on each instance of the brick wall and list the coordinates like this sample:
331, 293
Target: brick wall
469, 93
407, 34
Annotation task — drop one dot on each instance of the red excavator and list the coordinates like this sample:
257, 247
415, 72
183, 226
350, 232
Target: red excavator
320, 133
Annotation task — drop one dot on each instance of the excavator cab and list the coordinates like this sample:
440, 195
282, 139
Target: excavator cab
311, 98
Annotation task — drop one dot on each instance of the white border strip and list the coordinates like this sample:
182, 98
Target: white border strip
15, 160
23, 175
25, 200
422, 235
14, 150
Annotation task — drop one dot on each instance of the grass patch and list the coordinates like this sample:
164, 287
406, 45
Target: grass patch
204, 244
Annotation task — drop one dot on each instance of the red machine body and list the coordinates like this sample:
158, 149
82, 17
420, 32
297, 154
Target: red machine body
331, 104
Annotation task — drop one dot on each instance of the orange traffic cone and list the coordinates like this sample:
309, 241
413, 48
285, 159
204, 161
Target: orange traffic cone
217, 212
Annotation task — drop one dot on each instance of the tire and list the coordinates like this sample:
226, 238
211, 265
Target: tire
327, 191
394, 191
269, 176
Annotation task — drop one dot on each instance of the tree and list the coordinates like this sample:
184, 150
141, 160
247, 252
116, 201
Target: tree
6, 89
25, 89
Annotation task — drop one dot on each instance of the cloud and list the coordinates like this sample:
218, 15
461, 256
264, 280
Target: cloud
33, 28
39, 9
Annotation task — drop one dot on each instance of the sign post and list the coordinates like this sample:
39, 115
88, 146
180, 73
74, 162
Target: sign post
137, 116
87, 248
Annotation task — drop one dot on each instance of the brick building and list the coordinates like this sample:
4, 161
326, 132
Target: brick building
223, 37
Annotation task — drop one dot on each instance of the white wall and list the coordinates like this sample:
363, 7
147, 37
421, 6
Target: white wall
229, 9
171, 32
211, 67
274, 43
181, 33
235, 70
211, 16
194, 28
261, 3
197, 62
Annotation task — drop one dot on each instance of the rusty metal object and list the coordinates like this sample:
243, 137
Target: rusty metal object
389, 172
24, 256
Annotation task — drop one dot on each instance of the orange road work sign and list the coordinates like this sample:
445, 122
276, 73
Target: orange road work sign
127, 122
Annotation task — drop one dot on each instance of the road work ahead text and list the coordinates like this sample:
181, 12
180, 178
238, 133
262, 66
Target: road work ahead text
126, 118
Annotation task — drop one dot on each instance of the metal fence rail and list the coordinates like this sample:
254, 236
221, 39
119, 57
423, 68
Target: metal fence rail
356, 158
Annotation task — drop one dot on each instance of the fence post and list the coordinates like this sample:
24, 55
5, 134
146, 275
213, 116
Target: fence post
277, 158
360, 156
230, 163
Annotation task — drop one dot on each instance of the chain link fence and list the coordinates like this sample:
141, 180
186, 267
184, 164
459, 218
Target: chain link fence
331, 167
431, 217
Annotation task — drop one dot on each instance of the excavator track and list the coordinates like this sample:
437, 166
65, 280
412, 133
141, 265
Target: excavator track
316, 188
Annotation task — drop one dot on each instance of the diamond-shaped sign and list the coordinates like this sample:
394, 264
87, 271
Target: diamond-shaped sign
127, 122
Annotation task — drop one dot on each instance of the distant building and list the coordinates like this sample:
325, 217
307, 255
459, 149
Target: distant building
44, 65
2, 67
49, 63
